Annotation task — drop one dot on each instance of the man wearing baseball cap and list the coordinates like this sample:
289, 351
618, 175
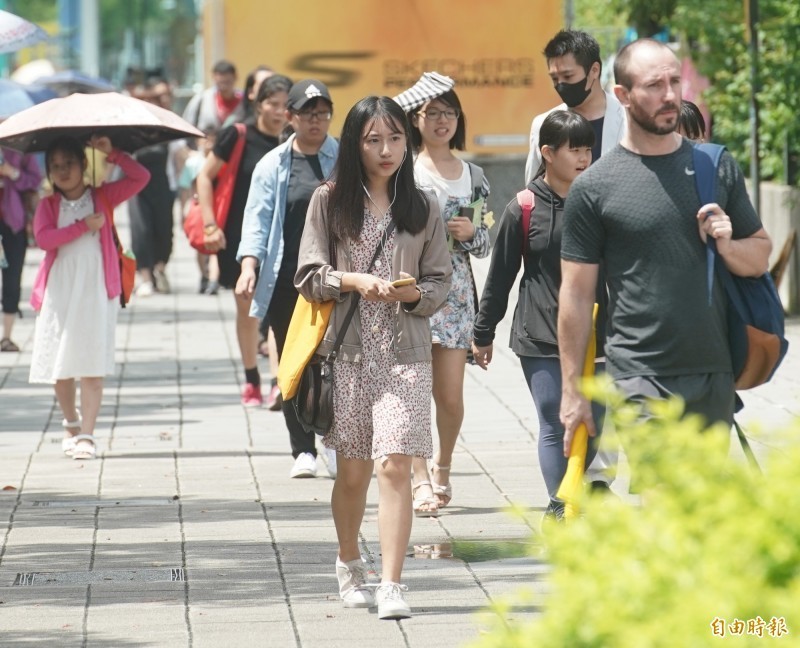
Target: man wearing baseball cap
274, 217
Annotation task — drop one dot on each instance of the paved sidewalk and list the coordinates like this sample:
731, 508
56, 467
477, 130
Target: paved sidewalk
187, 531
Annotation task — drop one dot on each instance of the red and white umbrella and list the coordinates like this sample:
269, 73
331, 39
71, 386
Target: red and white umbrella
17, 33
130, 123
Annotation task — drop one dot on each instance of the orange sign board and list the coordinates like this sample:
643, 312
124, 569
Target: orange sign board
493, 49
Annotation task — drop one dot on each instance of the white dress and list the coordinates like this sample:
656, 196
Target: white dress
74, 332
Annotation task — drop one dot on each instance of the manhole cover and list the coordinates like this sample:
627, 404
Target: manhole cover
101, 503
172, 574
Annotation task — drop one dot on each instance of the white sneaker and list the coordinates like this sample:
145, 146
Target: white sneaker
391, 604
352, 578
330, 461
145, 289
304, 466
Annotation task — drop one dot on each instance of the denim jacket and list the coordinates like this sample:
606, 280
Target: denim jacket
262, 229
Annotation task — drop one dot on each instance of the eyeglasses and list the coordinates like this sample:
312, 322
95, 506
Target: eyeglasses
433, 114
322, 115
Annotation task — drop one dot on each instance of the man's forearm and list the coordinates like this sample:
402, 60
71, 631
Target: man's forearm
748, 257
574, 328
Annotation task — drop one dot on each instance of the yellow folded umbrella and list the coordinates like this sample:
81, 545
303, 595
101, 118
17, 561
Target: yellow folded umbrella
572, 485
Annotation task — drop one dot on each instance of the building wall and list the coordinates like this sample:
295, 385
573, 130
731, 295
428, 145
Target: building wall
362, 47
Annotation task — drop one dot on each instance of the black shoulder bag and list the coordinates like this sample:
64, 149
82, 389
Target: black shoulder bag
313, 402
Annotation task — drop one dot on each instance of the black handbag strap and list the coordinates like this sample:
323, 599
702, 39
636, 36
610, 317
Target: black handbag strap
357, 295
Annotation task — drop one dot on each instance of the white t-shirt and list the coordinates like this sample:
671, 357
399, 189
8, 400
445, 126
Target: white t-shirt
449, 193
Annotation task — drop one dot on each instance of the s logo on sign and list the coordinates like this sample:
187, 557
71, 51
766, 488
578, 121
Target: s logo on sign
325, 66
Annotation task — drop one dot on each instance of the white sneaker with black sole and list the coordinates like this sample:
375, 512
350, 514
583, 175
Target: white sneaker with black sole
305, 466
391, 604
353, 589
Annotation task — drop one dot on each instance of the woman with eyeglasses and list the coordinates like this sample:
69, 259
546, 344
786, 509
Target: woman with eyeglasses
438, 127
274, 217
262, 134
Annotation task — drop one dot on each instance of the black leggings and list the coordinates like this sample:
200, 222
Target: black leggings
151, 228
280, 310
15, 245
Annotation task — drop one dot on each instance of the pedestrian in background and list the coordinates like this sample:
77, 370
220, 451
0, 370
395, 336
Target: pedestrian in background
691, 123
77, 288
574, 65
261, 135
274, 219
438, 127
150, 210
18, 174
213, 106
252, 83
382, 373
195, 156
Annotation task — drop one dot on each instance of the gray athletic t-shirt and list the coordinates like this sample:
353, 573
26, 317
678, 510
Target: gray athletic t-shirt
638, 215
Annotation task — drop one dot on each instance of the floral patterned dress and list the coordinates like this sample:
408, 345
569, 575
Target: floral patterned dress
451, 325
380, 407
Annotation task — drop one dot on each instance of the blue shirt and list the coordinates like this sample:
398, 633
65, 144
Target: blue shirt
262, 230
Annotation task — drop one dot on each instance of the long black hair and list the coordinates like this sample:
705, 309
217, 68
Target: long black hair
562, 127
347, 196
459, 139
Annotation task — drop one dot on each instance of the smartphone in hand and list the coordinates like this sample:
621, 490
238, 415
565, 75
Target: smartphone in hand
405, 281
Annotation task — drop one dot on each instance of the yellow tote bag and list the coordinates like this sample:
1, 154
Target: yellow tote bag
306, 330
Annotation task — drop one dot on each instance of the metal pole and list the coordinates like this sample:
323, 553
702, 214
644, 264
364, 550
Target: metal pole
755, 163
90, 37
569, 14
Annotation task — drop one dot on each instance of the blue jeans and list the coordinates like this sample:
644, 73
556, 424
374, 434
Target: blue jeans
543, 376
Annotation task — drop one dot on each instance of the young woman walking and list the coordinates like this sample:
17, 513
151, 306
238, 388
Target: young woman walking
261, 136
566, 141
382, 374
438, 127
78, 285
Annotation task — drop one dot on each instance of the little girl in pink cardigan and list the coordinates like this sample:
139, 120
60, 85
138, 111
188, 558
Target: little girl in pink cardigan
78, 285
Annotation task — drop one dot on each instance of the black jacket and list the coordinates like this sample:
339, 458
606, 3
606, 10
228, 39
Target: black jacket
533, 332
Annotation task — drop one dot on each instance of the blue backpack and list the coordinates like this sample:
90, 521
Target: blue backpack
755, 313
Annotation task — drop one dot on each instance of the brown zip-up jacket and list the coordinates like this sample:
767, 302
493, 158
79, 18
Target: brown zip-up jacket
424, 256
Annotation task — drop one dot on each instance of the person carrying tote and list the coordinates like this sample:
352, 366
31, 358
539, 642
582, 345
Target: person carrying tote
262, 135
77, 289
382, 373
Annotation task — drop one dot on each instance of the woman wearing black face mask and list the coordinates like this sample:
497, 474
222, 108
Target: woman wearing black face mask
574, 65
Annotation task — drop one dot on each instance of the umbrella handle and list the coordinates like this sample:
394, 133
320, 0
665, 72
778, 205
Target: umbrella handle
572, 484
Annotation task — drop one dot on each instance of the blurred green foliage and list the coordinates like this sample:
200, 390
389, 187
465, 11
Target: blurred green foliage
714, 34
715, 548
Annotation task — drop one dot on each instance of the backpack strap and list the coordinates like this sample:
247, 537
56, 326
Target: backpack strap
705, 159
480, 184
526, 200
